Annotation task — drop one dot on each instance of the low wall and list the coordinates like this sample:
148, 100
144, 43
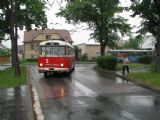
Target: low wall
4, 59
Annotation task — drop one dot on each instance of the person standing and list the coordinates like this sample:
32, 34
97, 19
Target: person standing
125, 64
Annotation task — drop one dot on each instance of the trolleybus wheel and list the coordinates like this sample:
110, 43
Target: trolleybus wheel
73, 67
45, 74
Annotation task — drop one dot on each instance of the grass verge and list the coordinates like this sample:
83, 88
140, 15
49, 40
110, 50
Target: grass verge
132, 65
28, 63
7, 78
148, 79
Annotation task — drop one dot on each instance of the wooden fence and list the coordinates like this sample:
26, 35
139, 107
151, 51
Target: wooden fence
4, 59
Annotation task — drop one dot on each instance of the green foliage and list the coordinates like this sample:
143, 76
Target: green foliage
4, 52
101, 61
31, 60
29, 13
153, 68
151, 16
145, 59
100, 17
107, 62
84, 57
133, 43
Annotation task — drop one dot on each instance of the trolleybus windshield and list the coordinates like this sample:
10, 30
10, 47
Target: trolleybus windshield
52, 50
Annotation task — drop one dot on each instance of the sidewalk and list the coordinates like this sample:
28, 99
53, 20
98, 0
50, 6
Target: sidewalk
13, 103
4, 66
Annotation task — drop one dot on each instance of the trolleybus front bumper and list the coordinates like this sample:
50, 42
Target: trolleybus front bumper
42, 70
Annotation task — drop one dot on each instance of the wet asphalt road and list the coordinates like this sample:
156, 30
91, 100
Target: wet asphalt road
86, 94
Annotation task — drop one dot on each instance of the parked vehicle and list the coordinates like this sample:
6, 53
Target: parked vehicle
56, 56
133, 55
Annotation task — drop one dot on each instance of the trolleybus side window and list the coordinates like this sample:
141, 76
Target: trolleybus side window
43, 51
70, 51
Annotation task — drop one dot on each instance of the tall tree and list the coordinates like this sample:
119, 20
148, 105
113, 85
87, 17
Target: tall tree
150, 22
20, 14
100, 17
134, 43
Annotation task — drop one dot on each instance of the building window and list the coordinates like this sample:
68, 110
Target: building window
32, 46
48, 37
32, 56
21, 51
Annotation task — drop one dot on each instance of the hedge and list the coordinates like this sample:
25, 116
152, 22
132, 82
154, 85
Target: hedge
145, 59
107, 62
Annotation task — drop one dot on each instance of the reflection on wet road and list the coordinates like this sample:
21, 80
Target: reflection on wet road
90, 95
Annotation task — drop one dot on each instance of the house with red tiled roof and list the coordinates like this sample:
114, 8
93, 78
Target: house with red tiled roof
34, 37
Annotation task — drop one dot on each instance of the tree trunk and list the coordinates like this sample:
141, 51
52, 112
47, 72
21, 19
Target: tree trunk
14, 38
12, 34
157, 52
17, 68
102, 50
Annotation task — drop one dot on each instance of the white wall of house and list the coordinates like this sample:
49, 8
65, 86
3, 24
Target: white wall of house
2, 47
92, 50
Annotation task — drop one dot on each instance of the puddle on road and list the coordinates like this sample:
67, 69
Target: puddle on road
120, 80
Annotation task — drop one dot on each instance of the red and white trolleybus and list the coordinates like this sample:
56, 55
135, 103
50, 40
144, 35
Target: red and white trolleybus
56, 56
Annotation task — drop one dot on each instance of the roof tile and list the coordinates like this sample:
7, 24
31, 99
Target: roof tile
30, 35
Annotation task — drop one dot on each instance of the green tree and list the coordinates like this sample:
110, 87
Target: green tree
100, 17
20, 14
150, 22
134, 43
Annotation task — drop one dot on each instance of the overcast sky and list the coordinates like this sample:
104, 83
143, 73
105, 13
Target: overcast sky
80, 35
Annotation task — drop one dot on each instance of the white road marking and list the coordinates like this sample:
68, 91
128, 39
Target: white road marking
86, 91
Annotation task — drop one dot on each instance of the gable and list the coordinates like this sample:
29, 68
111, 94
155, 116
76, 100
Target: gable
43, 36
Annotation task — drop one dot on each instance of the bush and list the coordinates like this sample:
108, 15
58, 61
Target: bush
107, 62
145, 59
4, 52
101, 61
31, 60
84, 57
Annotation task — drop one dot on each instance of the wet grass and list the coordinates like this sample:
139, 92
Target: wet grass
132, 65
7, 78
147, 78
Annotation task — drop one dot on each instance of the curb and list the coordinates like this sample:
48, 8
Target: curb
129, 79
36, 110
30, 107
110, 72
144, 85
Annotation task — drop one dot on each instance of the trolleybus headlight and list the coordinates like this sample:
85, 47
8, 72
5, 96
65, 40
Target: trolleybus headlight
41, 64
62, 65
